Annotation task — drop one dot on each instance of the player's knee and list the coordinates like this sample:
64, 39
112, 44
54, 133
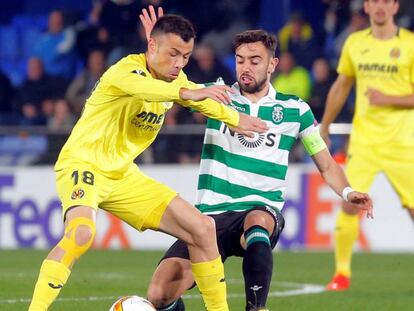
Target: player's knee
157, 295
259, 218
84, 236
79, 236
204, 231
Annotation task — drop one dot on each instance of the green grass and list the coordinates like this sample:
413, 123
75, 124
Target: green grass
381, 281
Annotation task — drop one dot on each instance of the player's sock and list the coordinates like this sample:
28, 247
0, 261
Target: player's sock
257, 267
209, 277
346, 233
177, 305
53, 275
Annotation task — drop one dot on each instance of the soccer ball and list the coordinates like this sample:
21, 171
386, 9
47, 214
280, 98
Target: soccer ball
132, 303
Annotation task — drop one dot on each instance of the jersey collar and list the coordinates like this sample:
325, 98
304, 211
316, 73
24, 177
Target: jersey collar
397, 34
270, 95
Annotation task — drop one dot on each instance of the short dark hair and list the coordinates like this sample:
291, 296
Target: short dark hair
175, 24
251, 36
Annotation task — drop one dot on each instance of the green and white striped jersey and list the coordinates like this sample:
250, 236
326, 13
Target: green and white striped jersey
238, 172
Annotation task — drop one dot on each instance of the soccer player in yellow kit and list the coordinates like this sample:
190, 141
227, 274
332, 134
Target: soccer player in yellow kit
381, 62
95, 168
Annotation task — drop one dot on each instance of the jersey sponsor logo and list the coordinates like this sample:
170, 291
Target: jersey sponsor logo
254, 142
364, 67
148, 121
395, 53
77, 194
150, 117
268, 139
277, 114
236, 107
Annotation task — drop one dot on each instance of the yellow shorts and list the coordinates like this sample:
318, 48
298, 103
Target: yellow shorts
135, 198
365, 162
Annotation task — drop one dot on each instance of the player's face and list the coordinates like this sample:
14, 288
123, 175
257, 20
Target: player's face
169, 54
254, 66
381, 11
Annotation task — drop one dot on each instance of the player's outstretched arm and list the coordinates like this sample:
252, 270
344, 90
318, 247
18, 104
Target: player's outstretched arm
219, 93
209, 101
335, 177
337, 96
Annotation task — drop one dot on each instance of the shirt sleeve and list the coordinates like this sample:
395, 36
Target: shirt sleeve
140, 84
210, 108
345, 65
309, 132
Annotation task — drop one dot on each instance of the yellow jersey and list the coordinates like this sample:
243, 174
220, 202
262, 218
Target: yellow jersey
388, 66
124, 114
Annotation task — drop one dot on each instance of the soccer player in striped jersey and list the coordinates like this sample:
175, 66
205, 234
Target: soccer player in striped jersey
380, 60
96, 169
242, 180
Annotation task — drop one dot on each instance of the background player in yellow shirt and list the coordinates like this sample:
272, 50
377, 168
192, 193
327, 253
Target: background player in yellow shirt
95, 168
381, 62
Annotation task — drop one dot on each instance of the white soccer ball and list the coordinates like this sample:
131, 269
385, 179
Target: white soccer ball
132, 303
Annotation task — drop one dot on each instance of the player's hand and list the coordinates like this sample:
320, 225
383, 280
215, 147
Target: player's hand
249, 125
219, 93
361, 201
376, 98
148, 20
324, 131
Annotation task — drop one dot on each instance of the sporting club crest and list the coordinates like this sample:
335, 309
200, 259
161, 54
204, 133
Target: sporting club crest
277, 114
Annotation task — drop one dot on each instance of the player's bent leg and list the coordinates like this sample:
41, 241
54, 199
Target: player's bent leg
185, 222
55, 270
346, 234
170, 280
258, 259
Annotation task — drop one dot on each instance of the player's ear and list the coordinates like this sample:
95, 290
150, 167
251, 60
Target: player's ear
152, 45
396, 7
273, 64
366, 7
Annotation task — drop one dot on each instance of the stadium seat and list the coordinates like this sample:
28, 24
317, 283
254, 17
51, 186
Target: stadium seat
21, 150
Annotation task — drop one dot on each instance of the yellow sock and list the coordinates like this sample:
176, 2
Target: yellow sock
346, 233
52, 277
209, 276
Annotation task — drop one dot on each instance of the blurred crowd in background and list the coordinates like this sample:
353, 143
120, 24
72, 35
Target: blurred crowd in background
53, 52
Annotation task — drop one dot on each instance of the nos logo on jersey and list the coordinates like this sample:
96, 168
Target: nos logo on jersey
254, 142
277, 114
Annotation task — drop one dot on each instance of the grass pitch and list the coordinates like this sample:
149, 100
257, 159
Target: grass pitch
380, 281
